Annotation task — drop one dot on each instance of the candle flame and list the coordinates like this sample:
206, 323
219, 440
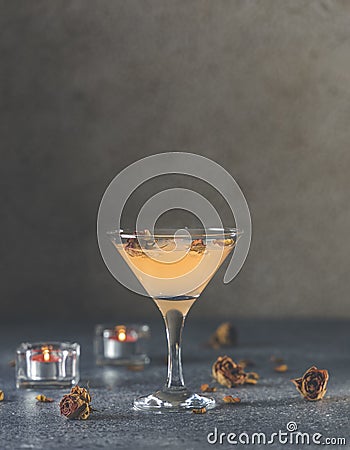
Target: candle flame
121, 335
46, 353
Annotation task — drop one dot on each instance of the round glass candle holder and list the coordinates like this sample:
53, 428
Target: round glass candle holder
121, 345
47, 364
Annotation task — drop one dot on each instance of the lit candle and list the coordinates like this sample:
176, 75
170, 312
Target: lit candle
45, 364
121, 344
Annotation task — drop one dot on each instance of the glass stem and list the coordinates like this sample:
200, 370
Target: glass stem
174, 323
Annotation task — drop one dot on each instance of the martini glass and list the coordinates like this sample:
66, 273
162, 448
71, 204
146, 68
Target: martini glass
174, 266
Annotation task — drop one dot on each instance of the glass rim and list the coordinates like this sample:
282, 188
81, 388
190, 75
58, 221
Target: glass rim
225, 232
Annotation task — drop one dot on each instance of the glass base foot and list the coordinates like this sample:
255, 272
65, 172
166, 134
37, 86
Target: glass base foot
173, 400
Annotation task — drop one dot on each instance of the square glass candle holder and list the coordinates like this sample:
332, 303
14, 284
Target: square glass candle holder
47, 364
121, 345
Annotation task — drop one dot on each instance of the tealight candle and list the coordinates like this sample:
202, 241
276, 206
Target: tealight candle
121, 344
49, 364
45, 364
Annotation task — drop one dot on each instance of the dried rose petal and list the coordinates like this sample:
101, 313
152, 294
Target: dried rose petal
207, 388
230, 399
43, 399
227, 372
2, 396
199, 410
281, 368
312, 385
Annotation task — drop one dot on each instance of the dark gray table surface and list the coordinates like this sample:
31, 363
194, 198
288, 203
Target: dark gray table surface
266, 407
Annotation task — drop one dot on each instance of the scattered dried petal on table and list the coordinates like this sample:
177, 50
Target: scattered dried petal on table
43, 399
281, 368
230, 399
2, 396
207, 388
199, 410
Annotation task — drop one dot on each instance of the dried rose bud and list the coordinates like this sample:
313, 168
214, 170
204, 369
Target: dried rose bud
197, 246
227, 372
281, 368
2, 396
207, 388
43, 399
199, 410
312, 385
224, 336
230, 399
76, 404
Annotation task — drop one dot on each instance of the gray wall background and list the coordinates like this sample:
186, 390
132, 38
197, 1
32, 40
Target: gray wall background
261, 87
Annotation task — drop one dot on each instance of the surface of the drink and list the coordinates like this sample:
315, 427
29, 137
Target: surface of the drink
183, 305
167, 268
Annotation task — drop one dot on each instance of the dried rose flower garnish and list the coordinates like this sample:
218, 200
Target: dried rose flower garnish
224, 336
76, 404
197, 246
207, 388
2, 396
199, 410
43, 399
230, 399
227, 372
312, 385
132, 247
281, 368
